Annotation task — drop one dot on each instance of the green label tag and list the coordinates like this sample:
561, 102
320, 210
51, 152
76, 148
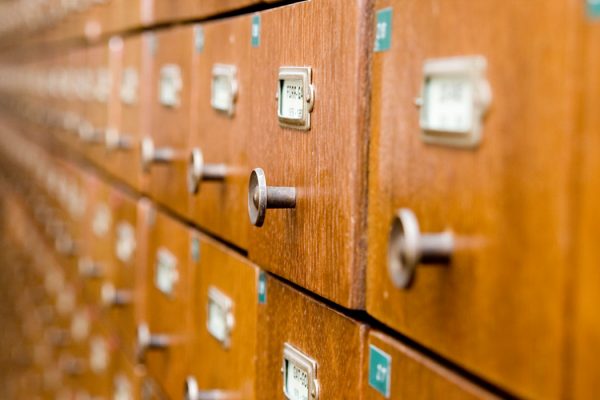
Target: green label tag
380, 368
195, 249
262, 287
255, 30
383, 29
593, 8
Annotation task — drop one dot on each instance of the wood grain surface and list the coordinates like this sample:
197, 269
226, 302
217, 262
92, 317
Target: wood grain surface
584, 320
320, 244
334, 341
229, 368
498, 309
166, 314
415, 376
171, 125
221, 207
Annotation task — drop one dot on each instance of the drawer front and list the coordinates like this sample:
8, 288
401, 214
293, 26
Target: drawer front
161, 344
485, 212
395, 371
308, 339
164, 153
92, 128
171, 10
317, 244
118, 293
135, 91
223, 309
217, 166
126, 14
586, 342
94, 264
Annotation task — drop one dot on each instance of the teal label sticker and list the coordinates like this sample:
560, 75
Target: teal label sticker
195, 249
383, 29
380, 369
198, 38
255, 30
593, 8
262, 287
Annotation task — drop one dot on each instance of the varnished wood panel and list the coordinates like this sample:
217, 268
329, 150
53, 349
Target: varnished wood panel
171, 125
221, 206
415, 376
131, 119
498, 308
175, 10
319, 244
584, 320
230, 368
166, 313
334, 341
123, 264
96, 104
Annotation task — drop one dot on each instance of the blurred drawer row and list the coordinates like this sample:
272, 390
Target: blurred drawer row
34, 22
420, 150
145, 307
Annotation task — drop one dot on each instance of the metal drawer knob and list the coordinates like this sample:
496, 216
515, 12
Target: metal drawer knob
262, 197
117, 141
198, 171
65, 245
193, 392
149, 341
73, 366
408, 248
113, 297
89, 269
89, 134
57, 337
151, 155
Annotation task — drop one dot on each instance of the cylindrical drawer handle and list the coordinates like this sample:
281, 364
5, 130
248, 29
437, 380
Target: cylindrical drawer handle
149, 341
117, 141
193, 392
113, 297
151, 155
89, 269
408, 247
262, 197
73, 366
65, 245
89, 134
198, 171
58, 337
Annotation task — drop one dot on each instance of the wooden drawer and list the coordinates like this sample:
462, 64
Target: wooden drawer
585, 348
494, 300
218, 168
395, 371
95, 263
162, 332
134, 91
92, 127
319, 243
310, 336
118, 291
126, 14
174, 10
223, 307
164, 151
